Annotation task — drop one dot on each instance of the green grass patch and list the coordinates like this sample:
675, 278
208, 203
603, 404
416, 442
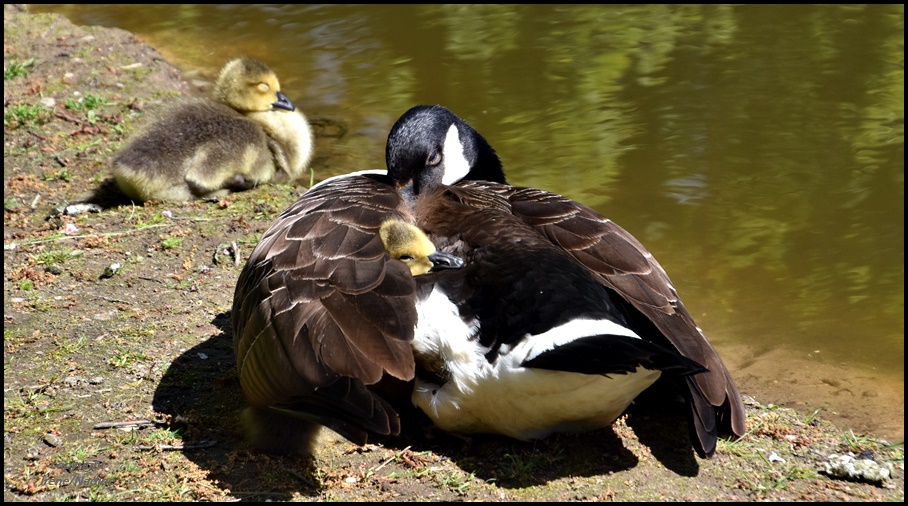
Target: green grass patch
164, 434
86, 103
63, 174
30, 402
150, 221
185, 284
69, 346
10, 202
11, 336
40, 305
18, 69
78, 455
127, 357
809, 418
51, 257
519, 467
82, 52
171, 243
19, 115
859, 442
455, 481
139, 333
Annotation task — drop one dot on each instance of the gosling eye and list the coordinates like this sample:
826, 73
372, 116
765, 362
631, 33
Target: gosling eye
434, 158
405, 258
263, 87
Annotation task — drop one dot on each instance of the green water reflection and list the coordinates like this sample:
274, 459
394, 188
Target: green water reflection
758, 151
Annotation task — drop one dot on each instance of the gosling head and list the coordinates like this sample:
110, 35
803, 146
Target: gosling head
248, 85
410, 245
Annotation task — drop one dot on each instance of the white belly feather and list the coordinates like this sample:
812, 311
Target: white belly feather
505, 397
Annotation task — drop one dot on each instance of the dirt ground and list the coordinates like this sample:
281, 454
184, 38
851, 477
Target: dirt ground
86, 342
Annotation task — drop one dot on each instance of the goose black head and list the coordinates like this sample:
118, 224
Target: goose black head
430, 146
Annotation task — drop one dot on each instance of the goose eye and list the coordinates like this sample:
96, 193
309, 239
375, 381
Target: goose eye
263, 87
405, 258
434, 158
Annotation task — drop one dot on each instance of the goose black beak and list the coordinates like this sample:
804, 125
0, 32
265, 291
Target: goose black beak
445, 261
283, 103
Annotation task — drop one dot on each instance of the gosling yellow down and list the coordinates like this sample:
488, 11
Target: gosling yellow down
247, 134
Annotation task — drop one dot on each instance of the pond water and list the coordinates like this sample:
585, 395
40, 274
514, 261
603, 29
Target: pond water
757, 151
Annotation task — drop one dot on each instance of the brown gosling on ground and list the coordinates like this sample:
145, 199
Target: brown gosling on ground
247, 134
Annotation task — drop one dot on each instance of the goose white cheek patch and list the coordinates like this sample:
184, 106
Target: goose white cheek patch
456, 164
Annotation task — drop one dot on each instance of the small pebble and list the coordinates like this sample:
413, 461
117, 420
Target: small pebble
111, 270
75, 209
53, 440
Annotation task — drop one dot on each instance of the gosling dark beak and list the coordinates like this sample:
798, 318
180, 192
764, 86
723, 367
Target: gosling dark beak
444, 261
283, 103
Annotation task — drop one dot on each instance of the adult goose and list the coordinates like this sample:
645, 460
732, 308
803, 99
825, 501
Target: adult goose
556, 322
247, 134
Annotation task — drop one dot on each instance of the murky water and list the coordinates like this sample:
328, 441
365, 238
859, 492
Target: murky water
758, 151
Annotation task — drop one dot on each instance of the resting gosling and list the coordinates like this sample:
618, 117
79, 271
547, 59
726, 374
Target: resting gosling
409, 244
249, 133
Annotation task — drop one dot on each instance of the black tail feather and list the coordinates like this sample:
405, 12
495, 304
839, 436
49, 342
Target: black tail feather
702, 422
709, 422
613, 354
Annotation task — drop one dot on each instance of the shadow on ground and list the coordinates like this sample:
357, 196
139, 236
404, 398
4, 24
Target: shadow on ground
200, 392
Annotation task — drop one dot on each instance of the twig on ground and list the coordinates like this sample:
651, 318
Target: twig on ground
106, 234
203, 444
134, 423
387, 460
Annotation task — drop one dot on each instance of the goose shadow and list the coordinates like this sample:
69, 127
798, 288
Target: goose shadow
658, 421
106, 195
514, 464
201, 395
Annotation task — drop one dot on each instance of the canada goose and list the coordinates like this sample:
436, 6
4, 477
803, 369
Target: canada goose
249, 133
556, 322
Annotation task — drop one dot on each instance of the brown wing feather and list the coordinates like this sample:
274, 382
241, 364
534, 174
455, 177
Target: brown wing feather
320, 301
623, 264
